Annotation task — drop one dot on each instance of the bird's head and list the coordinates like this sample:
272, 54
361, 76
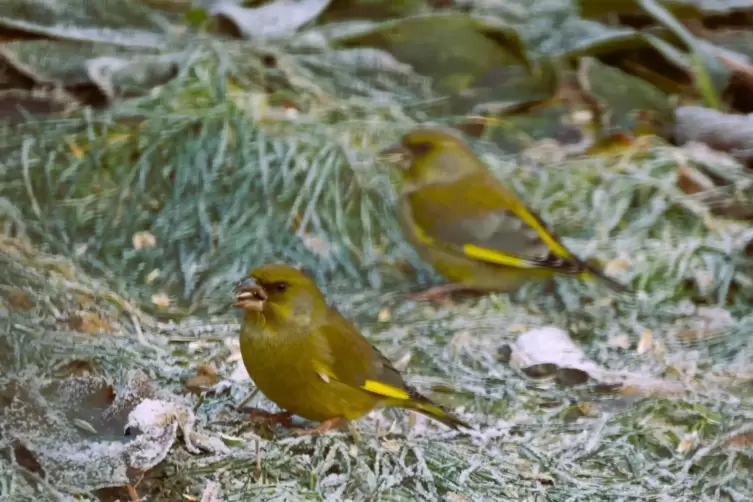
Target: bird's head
431, 155
279, 290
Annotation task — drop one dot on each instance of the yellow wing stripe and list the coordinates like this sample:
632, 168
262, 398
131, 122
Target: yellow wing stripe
373, 386
481, 253
493, 256
544, 234
385, 390
422, 236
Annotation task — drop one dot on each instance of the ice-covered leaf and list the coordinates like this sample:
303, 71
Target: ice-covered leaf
280, 18
550, 352
120, 22
84, 434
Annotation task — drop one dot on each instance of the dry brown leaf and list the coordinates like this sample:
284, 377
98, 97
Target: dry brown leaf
691, 180
45, 422
211, 492
90, 323
748, 249
83, 300
402, 362
744, 440
76, 368
144, 239
316, 244
161, 300
391, 445
152, 276
588, 409
454, 497
619, 264
668, 390
620, 342
688, 442
75, 149
384, 315
550, 352
721, 131
18, 299
206, 376
647, 339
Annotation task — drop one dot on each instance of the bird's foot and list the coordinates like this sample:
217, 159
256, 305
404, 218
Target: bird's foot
284, 418
323, 428
442, 293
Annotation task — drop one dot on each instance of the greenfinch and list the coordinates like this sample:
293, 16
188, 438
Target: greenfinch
470, 227
312, 362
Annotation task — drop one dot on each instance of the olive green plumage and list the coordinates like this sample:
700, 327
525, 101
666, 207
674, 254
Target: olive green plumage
468, 225
309, 360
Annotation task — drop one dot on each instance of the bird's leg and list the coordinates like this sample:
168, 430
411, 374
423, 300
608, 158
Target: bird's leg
284, 418
442, 292
353, 428
324, 427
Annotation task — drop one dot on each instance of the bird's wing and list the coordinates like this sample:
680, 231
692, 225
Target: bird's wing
344, 355
490, 224
341, 354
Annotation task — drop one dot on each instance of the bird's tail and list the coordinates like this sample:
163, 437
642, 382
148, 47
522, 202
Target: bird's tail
426, 407
591, 271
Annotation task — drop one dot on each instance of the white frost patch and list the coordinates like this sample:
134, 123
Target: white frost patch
43, 420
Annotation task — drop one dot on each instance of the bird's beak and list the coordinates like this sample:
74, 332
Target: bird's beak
250, 295
396, 155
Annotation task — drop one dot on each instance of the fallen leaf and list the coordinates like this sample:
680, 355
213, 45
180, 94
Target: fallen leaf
75, 368
707, 323
74, 148
384, 315
391, 445
744, 440
443, 387
18, 299
402, 362
90, 323
150, 278
748, 249
549, 352
316, 244
620, 342
83, 300
205, 377
143, 240
617, 265
454, 497
135, 426
279, 18
211, 492
688, 442
691, 180
584, 409
232, 440
647, 338
161, 300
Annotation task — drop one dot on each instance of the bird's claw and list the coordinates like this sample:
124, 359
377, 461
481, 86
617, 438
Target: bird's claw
323, 428
283, 418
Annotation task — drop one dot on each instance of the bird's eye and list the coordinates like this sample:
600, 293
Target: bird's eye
281, 286
421, 148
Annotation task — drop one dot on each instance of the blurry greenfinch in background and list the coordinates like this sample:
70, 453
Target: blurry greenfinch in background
470, 227
312, 362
